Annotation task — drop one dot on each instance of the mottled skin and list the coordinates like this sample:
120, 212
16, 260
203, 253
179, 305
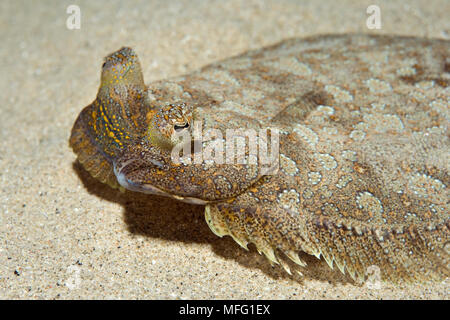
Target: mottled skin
364, 148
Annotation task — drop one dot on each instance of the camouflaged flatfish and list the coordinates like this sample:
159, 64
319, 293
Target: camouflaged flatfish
362, 173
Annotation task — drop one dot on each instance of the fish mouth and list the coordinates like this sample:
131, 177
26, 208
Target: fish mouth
146, 188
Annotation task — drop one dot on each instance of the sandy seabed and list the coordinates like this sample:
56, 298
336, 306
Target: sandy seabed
62, 234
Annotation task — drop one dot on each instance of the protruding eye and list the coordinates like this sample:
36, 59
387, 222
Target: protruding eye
179, 128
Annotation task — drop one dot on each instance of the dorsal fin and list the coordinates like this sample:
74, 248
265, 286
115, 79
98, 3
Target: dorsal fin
116, 117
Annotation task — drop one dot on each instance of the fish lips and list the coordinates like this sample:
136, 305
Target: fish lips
127, 174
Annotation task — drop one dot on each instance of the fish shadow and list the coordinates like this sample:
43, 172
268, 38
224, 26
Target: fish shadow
164, 218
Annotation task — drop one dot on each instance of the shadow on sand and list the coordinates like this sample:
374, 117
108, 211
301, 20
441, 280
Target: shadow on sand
164, 218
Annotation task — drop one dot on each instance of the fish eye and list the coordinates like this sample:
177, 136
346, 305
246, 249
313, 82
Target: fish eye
179, 128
